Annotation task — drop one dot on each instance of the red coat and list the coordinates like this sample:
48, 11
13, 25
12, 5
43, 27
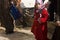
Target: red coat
40, 29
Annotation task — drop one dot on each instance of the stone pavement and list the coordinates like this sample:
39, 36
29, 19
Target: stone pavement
20, 34
24, 33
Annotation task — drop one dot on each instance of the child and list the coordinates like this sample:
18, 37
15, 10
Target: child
39, 28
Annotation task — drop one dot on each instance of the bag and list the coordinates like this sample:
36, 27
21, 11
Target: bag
15, 12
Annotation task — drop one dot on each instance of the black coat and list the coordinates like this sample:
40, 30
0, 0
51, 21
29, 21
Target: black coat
5, 16
56, 35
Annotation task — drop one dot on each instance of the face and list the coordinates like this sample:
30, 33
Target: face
37, 5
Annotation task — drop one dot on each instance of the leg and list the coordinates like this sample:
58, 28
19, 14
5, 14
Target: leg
56, 35
7, 21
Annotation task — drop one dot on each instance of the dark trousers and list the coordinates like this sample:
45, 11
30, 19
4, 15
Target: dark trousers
56, 35
7, 21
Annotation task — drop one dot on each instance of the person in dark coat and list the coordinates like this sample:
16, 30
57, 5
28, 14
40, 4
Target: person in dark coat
56, 34
52, 9
6, 19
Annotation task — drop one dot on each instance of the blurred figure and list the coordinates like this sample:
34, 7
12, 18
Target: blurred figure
18, 15
39, 28
22, 19
52, 9
56, 34
18, 5
6, 18
16, 10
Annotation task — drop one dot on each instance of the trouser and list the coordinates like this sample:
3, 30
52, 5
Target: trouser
56, 34
7, 21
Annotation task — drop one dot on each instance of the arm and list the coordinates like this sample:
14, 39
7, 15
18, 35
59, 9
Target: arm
44, 17
18, 6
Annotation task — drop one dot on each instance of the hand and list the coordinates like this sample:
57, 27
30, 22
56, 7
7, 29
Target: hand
39, 20
37, 11
58, 23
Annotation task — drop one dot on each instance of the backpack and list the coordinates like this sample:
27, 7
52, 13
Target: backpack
15, 12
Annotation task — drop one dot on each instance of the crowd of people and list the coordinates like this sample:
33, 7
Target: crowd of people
43, 10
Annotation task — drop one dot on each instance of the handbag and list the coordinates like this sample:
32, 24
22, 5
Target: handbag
15, 12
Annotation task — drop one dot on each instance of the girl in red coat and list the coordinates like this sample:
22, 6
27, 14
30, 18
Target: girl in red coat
39, 28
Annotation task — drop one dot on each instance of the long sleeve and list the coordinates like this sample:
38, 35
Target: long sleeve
44, 17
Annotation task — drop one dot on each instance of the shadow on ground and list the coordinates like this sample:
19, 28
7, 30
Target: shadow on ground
15, 36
